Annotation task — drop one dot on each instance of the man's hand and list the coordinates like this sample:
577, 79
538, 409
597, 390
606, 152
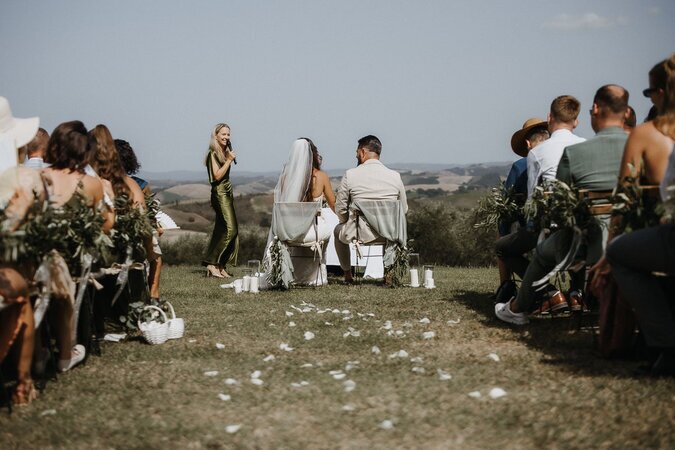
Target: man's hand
600, 273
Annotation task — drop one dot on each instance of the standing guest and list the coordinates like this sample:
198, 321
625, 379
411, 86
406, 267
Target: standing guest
131, 165
370, 180
35, 150
67, 152
17, 328
631, 120
592, 165
511, 247
542, 162
224, 244
634, 257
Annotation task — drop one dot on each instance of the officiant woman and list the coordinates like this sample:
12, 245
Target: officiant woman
224, 244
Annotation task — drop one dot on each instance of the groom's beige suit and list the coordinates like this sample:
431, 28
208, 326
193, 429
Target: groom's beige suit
371, 180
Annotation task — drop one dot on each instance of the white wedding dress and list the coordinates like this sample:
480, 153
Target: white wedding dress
309, 264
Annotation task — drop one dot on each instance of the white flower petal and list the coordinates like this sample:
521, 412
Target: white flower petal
231, 381
231, 429
336, 311
307, 365
387, 325
346, 311
256, 374
309, 335
291, 324
289, 314
349, 385
386, 425
494, 357
348, 407
257, 381
285, 347
474, 394
454, 322
220, 346
443, 375
339, 376
211, 373
416, 360
375, 350
328, 323
429, 334
225, 397
192, 341
497, 392
420, 370
425, 320
269, 358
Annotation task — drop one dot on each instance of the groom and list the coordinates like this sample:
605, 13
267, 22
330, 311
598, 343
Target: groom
370, 180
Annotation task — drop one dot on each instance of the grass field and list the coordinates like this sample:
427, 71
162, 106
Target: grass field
558, 395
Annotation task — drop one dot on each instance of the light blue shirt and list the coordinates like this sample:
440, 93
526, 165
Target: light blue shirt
35, 163
542, 161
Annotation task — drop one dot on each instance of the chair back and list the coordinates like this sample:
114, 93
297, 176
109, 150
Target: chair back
292, 220
385, 217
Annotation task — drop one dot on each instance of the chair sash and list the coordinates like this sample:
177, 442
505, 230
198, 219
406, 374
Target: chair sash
290, 223
387, 219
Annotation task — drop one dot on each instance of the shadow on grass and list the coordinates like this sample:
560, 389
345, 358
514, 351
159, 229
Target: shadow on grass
564, 343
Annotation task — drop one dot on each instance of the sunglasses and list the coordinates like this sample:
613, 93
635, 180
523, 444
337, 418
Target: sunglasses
649, 91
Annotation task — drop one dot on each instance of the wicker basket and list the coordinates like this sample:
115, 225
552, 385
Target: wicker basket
155, 332
176, 325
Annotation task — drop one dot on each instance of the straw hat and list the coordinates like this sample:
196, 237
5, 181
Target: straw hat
518, 139
22, 131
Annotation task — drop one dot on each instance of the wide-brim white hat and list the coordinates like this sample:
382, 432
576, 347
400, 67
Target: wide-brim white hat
22, 131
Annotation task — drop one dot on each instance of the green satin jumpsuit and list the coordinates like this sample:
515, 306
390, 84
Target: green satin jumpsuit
224, 244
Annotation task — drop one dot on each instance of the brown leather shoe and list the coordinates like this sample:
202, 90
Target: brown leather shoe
556, 303
575, 301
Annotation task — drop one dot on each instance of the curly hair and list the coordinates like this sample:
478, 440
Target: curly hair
69, 147
127, 157
105, 160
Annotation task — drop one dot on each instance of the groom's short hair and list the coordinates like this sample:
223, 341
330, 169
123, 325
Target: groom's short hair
371, 143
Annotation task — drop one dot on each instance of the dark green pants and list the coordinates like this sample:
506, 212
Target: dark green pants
224, 244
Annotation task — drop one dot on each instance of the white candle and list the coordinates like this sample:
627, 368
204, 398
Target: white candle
430, 284
428, 275
254, 285
414, 278
246, 285
237, 286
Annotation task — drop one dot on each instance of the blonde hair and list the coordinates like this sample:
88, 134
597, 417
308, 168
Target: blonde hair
665, 121
215, 147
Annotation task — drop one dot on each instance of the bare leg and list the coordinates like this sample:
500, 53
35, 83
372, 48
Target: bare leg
153, 277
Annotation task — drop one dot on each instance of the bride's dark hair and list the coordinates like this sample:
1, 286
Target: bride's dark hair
316, 164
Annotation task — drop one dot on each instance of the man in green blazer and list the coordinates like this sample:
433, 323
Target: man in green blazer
593, 165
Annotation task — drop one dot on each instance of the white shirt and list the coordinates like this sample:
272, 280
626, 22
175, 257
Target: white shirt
543, 160
35, 163
668, 182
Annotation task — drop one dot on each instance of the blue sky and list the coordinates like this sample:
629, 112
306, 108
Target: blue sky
437, 81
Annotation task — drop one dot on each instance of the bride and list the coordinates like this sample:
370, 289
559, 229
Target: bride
302, 180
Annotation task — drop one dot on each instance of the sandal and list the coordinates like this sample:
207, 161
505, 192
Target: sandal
213, 271
224, 273
24, 393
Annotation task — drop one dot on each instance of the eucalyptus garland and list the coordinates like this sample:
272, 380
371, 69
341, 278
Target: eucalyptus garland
500, 205
152, 208
636, 208
132, 228
556, 204
399, 269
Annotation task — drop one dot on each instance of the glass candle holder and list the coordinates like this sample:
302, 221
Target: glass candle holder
429, 276
414, 265
254, 266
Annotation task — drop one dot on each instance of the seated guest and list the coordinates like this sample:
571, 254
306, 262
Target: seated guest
635, 256
370, 180
35, 150
631, 121
511, 247
592, 165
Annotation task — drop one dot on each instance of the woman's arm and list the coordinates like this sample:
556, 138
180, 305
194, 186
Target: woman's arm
137, 195
328, 190
220, 171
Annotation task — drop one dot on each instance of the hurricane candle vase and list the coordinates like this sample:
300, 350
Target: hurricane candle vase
429, 282
414, 262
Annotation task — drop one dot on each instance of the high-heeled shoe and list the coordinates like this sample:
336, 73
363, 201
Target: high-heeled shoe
212, 271
224, 273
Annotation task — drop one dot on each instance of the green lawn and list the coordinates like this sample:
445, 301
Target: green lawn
558, 395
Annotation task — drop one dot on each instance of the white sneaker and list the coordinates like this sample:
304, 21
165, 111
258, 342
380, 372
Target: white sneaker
503, 312
76, 357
